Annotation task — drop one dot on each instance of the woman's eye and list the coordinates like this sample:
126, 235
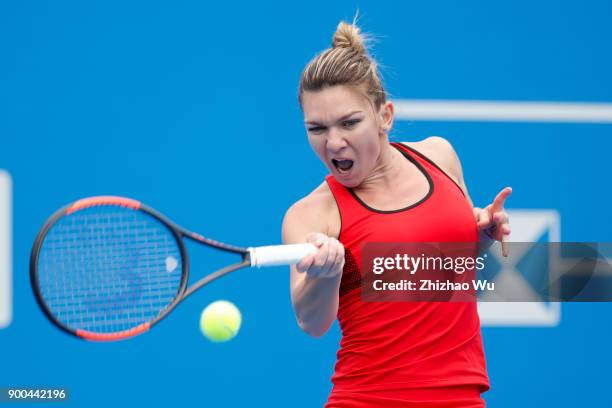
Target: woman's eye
316, 129
350, 123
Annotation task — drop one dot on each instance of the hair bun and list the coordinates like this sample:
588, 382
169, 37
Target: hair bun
348, 36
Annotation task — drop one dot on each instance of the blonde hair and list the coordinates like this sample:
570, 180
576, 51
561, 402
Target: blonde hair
347, 62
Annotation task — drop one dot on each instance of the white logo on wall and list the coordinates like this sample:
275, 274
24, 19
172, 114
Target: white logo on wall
527, 226
6, 282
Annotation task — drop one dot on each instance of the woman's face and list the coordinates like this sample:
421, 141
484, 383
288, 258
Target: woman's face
344, 131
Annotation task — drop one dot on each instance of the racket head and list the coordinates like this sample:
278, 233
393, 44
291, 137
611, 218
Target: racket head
108, 268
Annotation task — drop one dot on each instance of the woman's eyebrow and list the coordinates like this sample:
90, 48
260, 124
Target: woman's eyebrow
309, 122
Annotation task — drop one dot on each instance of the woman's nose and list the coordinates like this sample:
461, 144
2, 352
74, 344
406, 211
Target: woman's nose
335, 140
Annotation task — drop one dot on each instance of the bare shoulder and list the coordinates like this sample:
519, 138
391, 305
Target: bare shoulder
441, 152
316, 212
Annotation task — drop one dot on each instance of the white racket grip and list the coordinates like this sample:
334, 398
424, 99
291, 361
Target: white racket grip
279, 254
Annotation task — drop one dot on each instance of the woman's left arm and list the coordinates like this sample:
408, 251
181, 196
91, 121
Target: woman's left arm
492, 220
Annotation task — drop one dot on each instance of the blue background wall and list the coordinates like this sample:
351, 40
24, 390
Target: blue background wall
186, 106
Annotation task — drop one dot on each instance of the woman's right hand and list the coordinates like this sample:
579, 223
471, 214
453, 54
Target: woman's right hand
327, 262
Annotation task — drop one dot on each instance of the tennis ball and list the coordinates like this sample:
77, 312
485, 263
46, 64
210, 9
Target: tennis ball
220, 321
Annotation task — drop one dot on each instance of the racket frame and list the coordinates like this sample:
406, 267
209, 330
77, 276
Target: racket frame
179, 233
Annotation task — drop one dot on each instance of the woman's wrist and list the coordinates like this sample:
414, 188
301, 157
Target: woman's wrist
484, 241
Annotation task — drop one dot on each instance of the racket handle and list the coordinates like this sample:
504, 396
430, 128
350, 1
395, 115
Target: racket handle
280, 254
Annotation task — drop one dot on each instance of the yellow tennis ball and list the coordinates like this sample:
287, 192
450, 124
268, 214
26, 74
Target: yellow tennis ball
220, 321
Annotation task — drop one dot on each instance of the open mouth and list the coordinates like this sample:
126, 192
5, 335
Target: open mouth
342, 165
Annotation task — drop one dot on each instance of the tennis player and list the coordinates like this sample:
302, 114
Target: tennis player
392, 354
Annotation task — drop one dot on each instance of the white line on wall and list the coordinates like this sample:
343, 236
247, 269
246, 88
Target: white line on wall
6, 281
502, 111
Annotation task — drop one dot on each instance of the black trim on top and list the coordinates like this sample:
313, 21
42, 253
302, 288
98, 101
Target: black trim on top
422, 200
434, 164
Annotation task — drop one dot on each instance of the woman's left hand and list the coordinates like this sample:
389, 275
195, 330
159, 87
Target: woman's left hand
493, 220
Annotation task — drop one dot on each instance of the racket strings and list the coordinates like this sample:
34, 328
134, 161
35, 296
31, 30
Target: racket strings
108, 269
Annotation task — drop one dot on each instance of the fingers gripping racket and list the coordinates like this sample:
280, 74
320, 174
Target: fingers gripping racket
109, 268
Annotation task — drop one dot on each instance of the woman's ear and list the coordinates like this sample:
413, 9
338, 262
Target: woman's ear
386, 112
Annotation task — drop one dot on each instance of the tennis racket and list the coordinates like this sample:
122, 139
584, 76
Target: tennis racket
109, 268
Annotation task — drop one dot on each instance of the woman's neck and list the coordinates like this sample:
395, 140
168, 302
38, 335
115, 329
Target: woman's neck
387, 171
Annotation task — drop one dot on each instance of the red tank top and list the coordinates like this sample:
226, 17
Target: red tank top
395, 353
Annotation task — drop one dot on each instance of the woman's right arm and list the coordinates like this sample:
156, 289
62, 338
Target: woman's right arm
315, 281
